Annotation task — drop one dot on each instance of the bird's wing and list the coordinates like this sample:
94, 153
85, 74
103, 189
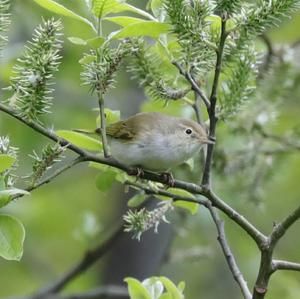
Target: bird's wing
120, 130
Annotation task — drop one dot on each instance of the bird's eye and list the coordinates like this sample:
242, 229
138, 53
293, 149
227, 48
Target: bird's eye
188, 131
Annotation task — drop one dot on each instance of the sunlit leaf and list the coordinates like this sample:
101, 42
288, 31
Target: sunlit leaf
6, 195
6, 161
156, 7
154, 287
101, 8
77, 41
171, 288
80, 140
136, 200
62, 10
144, 28
136, 289
123, 20
12, 235
105, 180
87, 59
111, 116
95, 42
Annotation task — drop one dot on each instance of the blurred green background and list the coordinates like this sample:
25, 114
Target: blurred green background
61, 217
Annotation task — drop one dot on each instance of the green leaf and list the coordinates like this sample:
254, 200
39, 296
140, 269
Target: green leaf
12, 235
136, 200
154, 287
123, 21
101, 8
80, 140
171, 288
99, 166
6, 195
105, 180
145, 28
181, 286
87, 59
215, 22
165, 296
136, 289
61, 10
111, 116
156, 7
95, 42
77, 41
6, 161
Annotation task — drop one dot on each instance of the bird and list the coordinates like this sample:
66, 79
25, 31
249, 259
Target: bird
155, 141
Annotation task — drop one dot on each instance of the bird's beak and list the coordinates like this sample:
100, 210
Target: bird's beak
208, 141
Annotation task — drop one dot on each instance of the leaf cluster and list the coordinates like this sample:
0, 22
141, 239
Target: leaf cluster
191, 26
34, 71
99, 73
240, 84
145, 66
50, 155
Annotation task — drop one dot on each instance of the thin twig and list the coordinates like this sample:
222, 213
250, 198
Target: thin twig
103, 126
237, 274
269, 56
194, 85
196, 107
51, 177
280, 229
206, 178
285, 265
87, 261
104, 292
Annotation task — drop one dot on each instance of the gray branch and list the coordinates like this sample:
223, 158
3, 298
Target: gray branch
237, 274
285, 265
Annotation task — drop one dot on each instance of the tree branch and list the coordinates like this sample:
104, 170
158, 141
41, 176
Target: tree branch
280, 229
237, 275
206, 178
266, 263
285, 265
87, 261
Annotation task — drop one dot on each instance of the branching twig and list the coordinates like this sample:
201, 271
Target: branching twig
194, 85
220, 227
104, 292
238, 276
51, 177
266, 265
87, 261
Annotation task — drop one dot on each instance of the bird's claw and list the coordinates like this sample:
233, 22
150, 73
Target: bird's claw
168, 178
136, 171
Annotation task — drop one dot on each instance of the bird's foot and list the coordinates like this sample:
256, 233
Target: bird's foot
136, 171
167, 178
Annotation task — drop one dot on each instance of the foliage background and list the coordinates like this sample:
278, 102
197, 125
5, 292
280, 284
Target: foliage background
56, 215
